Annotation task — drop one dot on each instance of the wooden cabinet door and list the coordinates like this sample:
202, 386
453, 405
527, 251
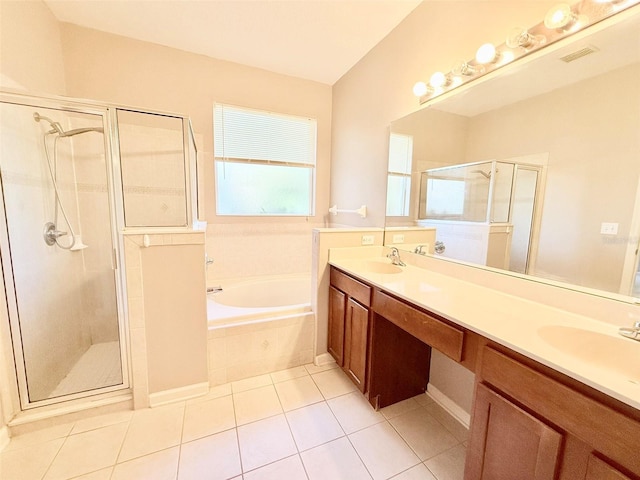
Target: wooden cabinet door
337, 310
598, 469
507, 443
356, 341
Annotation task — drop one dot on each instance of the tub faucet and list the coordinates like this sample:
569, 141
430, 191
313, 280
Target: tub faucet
631, 332
395, 257
216, 289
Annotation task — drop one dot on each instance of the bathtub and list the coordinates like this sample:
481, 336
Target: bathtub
259, 326
259, 300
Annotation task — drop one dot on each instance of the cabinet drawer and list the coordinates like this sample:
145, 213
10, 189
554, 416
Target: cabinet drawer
429, 329
351, 286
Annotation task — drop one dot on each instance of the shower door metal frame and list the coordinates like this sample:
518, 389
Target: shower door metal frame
114, 194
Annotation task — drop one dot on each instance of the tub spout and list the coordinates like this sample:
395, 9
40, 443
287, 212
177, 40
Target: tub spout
216, 289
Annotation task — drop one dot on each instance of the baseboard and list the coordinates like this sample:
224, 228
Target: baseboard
177, 394
449, 405
4, 437
323, 359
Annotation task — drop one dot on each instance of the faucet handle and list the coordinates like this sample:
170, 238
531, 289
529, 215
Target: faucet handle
636, 324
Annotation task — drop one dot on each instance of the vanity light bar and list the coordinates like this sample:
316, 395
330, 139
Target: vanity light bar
560, 21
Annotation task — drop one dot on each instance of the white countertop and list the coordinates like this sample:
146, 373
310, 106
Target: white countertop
583, 348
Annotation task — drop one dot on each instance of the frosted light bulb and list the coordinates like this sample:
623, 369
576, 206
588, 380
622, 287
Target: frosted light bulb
486, 53
438, 80
420, 89
559, 16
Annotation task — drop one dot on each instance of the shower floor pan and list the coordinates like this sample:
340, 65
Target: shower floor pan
98, 367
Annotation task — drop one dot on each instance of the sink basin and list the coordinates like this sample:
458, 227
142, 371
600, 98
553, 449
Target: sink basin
613, 353
383, 267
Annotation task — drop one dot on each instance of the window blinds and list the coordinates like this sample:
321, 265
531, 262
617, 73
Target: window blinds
247, 135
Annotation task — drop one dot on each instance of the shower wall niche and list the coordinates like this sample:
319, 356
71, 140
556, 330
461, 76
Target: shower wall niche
72, 182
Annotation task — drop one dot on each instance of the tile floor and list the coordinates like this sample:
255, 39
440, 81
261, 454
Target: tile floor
303, 423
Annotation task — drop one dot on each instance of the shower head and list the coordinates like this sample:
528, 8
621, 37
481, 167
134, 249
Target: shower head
57, 128
484, 174
78, 131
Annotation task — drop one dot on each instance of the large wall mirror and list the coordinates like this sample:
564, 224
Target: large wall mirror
537, 169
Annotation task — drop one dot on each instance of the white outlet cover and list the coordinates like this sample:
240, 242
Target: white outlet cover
367, 240
609, 228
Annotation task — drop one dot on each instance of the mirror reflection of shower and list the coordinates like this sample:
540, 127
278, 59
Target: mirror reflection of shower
51, 233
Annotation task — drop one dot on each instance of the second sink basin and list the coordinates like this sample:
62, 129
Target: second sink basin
607, 351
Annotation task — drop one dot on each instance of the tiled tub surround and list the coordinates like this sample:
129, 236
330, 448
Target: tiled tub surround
259, 325
245, 250
302, 423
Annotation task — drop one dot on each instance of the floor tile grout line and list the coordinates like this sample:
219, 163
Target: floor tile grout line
431, 471
236, 428
239, 452
439, 423
184, 417
297, 454
359, 457
66, 437
113, 467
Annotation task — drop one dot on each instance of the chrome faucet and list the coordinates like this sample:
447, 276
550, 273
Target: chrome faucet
395, 257
419, 250
631, 332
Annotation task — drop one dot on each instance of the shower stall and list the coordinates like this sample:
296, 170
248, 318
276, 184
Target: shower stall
484, 212
74, 176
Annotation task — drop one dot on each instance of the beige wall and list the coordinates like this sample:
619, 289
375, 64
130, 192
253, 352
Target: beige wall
30, 48
116, 69
378, 89
590, 132
175, 316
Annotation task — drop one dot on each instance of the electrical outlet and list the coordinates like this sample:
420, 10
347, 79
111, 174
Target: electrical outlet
398, 238
367, 240
609, 228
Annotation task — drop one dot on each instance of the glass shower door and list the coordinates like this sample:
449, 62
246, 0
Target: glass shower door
57, 248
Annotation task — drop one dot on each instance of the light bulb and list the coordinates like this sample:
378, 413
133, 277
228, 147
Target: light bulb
420, 89
438, 80
486, 54
560, 16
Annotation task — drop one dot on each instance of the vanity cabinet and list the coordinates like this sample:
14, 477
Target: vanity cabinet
529, 423
337, 309
349, 326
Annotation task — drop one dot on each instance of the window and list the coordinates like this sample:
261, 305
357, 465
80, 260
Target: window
445, 198
264, 162
399, 175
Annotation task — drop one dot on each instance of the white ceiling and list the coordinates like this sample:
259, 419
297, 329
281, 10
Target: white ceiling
313, 39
